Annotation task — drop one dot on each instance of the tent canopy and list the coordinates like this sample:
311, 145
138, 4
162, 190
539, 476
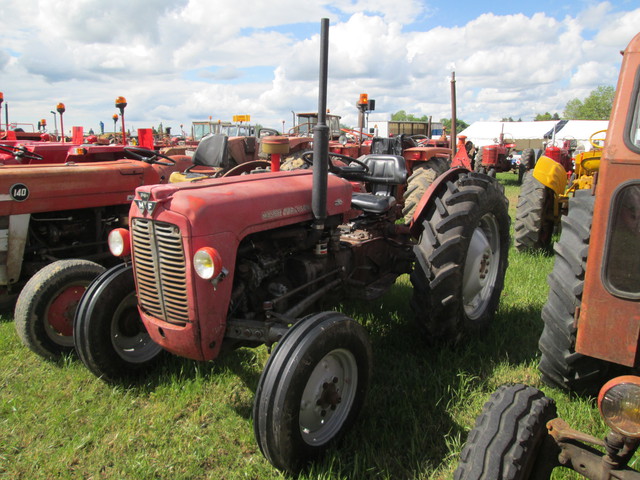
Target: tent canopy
532, 134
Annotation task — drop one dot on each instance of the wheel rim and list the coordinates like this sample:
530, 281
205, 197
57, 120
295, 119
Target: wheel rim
328, 397
481, 267
59, 315
128, 335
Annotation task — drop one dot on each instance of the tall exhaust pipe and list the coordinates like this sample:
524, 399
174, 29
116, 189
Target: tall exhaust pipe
321, 136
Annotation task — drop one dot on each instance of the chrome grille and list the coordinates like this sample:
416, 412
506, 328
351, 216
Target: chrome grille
160, 270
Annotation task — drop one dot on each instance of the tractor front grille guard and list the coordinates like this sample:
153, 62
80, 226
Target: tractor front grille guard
160, 270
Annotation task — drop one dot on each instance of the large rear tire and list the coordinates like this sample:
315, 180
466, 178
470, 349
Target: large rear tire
424, 174
461, 258
312, 389
507, 442
534, 215
47, 304
109, 335
561, 366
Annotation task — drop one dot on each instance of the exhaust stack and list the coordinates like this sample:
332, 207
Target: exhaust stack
321, 136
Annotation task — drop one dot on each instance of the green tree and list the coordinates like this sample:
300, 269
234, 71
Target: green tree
541, 117
597, 106
399, 116
460, 124
403, 116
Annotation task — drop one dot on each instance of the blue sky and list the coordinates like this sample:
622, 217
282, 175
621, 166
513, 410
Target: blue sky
181, 60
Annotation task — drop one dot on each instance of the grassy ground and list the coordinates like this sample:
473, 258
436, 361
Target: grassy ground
193, 421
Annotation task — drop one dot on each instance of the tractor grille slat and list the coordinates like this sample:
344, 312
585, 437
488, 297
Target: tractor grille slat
160, 269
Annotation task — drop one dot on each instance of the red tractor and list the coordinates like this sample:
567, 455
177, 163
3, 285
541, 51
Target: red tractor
54, 221
492, 159
591, 326
255, 259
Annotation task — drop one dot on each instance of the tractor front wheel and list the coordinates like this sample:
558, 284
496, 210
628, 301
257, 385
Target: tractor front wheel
109, 335
535, 218
47, 304
312, 389
461, 258
508, 440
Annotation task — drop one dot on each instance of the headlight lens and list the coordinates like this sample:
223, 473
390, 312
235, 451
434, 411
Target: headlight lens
207, 262
619, 403
118, 241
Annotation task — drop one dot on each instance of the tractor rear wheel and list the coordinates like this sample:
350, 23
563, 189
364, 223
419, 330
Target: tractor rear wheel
561, 366
534, 215
312, 389
461, 258
109, 335
508, 439
424, 174
47, 304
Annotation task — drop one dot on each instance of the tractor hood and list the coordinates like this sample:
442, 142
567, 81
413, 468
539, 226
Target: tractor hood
242, 204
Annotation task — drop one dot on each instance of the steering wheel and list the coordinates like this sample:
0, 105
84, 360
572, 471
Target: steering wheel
21, 152
148, 156
593, 141
307, 157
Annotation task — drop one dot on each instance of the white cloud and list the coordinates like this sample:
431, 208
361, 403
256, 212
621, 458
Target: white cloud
183, 60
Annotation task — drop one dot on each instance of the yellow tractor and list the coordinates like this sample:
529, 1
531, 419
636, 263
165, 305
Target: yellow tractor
546, 191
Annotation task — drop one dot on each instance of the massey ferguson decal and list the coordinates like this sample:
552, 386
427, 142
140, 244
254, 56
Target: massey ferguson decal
145, 205
19, 192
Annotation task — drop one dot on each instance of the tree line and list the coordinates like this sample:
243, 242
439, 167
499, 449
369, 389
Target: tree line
596, 106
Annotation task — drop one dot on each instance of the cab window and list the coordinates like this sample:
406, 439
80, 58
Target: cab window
622, 258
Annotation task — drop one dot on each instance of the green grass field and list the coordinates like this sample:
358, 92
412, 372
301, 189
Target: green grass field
193, 421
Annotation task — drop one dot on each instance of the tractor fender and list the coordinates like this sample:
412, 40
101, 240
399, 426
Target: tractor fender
415, 227
551, 174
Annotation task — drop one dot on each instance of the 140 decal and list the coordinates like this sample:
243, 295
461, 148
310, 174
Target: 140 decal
19, 192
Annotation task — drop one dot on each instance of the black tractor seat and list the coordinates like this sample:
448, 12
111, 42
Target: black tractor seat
386, 173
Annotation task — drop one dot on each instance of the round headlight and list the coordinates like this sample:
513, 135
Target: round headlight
207, 262
619, 403
118, 241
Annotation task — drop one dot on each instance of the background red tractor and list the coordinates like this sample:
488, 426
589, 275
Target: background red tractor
55, 219
491, 159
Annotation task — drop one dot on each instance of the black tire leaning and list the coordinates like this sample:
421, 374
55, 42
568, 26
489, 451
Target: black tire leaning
507, 442
47, 303
461, 258
478, 167
528, 159
293, 393
424, 174
560, 365
109, 336
534, 215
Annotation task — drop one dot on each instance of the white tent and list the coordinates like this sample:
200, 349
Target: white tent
532, 134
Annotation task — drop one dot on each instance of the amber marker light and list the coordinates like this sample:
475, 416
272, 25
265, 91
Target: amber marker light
207, 263
619, 404
60, 108
121, 102
118, 241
